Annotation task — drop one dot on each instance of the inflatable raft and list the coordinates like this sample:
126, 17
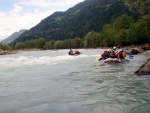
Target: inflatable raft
74, 52
113, 60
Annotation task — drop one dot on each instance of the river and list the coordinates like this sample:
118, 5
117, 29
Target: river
54, 82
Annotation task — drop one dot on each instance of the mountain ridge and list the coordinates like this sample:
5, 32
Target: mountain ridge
13, 36
77, 21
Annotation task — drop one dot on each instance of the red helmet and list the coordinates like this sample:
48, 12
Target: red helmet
105, 51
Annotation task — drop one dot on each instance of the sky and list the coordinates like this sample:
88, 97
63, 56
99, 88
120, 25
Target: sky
25, 14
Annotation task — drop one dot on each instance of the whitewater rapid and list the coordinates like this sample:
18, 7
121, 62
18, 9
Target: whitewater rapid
55, 82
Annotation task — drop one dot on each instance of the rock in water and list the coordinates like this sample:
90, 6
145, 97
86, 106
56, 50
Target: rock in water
144, 69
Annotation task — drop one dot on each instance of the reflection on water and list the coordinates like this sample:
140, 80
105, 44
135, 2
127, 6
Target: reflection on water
53, 82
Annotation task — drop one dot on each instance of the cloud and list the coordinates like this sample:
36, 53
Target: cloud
16, 9
14, 22
47, 3
25, 14
40, 3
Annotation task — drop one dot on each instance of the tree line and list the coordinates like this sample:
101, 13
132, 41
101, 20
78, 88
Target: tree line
123, 31
5, 47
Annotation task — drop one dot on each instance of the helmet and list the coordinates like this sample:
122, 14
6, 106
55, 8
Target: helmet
114, 47
120, 49
105, 51
108, 50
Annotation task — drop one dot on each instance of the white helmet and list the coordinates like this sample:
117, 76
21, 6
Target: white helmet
114, 47
121, 49
108, 49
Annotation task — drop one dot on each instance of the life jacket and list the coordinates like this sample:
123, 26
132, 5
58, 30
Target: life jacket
124, 54
70, 52
104, 55
121, 54
112, 54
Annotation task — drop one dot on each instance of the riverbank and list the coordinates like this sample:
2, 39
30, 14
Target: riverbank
146, 52
134, 49
6, 52
143, 49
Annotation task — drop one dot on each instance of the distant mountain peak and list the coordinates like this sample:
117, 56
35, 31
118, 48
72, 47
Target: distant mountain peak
14, 36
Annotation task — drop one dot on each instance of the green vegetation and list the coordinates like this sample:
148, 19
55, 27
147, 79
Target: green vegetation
78, 21
140, 6
5, 47
122, 32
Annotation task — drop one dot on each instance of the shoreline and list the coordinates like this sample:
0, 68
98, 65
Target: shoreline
7, 52
138, 49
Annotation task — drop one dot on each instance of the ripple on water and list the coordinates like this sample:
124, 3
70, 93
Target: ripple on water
54, 82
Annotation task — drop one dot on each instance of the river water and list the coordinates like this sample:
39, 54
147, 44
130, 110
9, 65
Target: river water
54, 82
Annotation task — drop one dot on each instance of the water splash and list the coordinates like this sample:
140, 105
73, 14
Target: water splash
31, 60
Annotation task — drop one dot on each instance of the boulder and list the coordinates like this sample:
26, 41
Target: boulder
146, 52
146, 47
135, 51
144, 69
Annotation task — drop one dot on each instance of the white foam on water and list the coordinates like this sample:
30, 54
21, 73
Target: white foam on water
48, 58
32, 60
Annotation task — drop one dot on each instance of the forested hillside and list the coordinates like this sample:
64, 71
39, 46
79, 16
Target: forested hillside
78, 20
115, 26
123, 31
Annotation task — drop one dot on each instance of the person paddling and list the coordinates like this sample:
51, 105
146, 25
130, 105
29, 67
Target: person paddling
70, 52
112, 54
121, 54
105, 55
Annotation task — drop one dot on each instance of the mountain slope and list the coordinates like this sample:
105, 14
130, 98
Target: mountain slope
12, 37
77, 21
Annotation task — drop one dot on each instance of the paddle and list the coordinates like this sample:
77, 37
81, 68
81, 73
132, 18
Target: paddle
98, 59
120, 61
127, 61
131, 56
